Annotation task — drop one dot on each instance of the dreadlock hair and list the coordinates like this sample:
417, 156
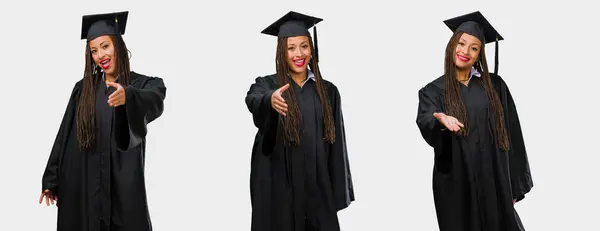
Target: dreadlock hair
86, 109
292, 122
453, 99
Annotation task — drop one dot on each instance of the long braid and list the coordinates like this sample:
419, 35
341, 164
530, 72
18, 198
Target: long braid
498, 111
86, 109
453, 99
323, 96
293, 119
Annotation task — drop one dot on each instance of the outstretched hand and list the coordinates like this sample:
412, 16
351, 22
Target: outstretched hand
117, 98
448, 121
277, 101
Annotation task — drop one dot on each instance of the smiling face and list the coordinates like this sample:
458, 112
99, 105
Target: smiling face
467, 51
103, 53
298, 53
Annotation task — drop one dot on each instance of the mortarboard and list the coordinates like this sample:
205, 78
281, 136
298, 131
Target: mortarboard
476, 25
94, 26
294, 24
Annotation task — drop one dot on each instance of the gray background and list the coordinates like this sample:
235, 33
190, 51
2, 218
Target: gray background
378, 54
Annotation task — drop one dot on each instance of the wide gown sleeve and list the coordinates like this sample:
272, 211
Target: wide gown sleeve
258, 101
339, 165
431, 129
50, 177
144, 102
520, 174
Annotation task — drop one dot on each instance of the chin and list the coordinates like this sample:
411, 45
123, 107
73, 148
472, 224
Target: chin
296, 69
462, 66
110, 71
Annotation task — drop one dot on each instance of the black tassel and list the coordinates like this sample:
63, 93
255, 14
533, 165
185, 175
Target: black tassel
496, 59
316, 53
121, 50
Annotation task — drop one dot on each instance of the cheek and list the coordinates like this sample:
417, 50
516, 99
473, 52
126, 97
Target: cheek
96, 59
475, 56
454, 55
306, 51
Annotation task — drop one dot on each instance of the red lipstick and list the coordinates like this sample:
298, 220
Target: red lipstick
299, 62
105, 63
463, 58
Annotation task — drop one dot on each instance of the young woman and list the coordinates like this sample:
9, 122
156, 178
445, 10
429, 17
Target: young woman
300, 177
95, 172
469, 117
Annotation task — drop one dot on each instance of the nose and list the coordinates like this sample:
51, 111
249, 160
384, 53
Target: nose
465, 50
101, 53
298, 52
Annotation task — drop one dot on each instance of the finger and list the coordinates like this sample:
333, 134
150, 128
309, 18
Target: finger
41, 198
285, 87
460, 124
115, 94
113, 84
281, 109
281, 104
453, 127
279, 98
280, 112
47, 201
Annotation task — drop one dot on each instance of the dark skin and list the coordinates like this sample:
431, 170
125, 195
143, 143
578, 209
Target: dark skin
103, 52
299, 54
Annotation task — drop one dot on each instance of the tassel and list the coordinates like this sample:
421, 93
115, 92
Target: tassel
120, 51
496, 59
316, 53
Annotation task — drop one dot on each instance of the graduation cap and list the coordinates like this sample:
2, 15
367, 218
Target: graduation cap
476, 25
94, 26
294, 24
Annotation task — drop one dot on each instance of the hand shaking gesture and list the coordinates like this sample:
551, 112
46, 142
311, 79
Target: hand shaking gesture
277, 101
448, 121
117, 98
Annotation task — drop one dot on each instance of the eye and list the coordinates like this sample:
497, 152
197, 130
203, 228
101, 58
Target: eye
305, 46
474, 48
105, 46
94, 52
290, 48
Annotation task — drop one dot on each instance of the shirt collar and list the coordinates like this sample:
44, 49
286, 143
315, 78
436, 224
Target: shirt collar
310, 76
475, 73
117, 79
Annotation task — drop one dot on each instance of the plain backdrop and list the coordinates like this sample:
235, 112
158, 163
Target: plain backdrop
378, 53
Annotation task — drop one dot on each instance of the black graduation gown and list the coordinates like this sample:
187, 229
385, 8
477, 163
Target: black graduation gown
105, 185
294, 188
474, 181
